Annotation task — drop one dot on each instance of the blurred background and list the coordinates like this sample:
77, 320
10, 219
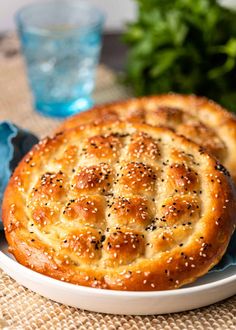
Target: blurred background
118, 12
186, 46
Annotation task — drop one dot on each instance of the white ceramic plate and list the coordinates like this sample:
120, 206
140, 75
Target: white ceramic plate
211, 288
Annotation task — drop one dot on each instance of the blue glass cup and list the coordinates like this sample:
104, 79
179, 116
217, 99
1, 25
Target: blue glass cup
61, 42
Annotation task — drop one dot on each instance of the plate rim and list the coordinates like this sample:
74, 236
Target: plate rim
8, 261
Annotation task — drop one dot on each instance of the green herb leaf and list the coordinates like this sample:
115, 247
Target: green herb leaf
184, 46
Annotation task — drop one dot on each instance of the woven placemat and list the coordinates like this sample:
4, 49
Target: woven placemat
23, 309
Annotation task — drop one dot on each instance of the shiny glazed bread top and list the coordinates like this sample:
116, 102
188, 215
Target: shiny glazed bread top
121, 206
197, 118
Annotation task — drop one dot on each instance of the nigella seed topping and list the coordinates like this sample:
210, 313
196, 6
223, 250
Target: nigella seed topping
222, 169
132, 198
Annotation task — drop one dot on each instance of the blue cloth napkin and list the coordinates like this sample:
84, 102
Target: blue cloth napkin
229, 258
15, 143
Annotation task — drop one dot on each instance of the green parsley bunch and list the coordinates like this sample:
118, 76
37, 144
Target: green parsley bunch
186, 46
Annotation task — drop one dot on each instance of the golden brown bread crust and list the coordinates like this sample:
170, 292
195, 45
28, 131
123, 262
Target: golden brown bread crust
199, 119
149, 211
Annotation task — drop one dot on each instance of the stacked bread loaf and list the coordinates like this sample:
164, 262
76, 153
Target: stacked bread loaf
134, 195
